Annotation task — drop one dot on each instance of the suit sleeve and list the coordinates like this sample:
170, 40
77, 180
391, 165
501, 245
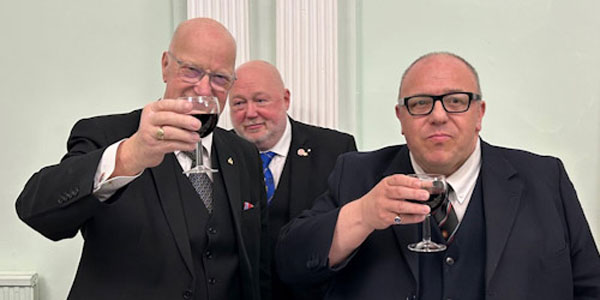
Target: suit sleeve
302, 251
57, 200
585, 260
351, 145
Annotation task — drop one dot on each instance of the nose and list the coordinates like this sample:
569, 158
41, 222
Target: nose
251, 110
203, 88
439, 114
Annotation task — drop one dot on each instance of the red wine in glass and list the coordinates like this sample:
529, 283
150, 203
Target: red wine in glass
209, 122
437, 194
438, 191
206, 109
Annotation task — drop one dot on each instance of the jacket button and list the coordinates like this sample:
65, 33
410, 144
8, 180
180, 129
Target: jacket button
212, 230
449, 260
187, 294
209, 255
212, 281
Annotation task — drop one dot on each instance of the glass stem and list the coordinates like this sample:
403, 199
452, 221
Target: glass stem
427, 229
199, 154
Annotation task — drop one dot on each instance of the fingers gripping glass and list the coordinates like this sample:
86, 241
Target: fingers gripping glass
205, 109
191, 74
456, 102
438, 191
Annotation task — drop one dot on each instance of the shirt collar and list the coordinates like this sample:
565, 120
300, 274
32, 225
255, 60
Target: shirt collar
282, 147
463, 179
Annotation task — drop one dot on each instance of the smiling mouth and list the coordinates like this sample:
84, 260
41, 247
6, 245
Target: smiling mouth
253, 127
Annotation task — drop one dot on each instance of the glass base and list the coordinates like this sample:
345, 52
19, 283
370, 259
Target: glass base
200, 169
426, 247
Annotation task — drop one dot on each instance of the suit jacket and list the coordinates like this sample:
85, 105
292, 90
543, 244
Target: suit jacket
538, 245
136, 244
311, 158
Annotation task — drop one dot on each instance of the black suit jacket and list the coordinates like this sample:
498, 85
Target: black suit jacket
538, 246
136, 244
311, 158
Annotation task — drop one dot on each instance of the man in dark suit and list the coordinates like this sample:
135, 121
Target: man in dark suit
297, 157
149, 233
519, 233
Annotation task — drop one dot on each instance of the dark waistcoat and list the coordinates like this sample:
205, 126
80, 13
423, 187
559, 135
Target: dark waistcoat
459, 272
213, 243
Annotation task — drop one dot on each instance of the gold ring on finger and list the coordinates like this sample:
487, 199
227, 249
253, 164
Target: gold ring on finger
160, 133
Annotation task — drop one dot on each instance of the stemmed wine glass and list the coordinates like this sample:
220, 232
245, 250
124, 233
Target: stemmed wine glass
438, 191
205, 109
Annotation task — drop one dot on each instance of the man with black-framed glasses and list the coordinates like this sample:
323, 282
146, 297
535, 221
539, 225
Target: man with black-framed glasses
149, 231
513, 227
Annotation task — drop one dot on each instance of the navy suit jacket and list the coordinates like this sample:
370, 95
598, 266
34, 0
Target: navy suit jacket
311, 157
136, 244
539, 245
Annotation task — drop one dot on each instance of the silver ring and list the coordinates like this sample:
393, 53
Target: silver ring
397, 220
160, 134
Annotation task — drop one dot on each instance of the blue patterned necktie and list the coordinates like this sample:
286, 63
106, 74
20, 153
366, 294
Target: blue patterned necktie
266, 158
202, 184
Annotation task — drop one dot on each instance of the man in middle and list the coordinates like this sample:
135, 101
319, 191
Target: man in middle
297, 158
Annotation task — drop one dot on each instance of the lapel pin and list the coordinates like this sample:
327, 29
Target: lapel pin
230, 161
302, 152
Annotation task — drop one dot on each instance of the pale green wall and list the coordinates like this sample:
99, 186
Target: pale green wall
64, 60
539, 65
61, 61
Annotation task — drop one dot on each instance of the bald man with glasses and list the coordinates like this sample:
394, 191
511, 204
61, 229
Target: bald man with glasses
149, 231
518, 228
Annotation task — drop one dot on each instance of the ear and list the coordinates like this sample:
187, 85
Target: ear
286, 99
164, 64
480, 116
399, 116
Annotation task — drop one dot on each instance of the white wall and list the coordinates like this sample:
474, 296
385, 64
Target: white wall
539, 66
61, 61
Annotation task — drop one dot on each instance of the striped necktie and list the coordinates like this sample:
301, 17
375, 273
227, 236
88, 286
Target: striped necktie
266, 158
446, 218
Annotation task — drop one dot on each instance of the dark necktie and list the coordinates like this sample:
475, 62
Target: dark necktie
266, 158
202, 184
446, 218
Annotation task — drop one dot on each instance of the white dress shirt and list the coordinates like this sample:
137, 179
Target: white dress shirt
462, 180
281, 150
104, 188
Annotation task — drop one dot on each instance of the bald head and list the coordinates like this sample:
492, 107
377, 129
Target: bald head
433, 58
263, 69
202, 31
198, 44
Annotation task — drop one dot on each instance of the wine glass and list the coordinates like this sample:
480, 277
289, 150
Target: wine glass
438, 191
205, 109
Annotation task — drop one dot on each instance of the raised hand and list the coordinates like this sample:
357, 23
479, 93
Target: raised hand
165, 126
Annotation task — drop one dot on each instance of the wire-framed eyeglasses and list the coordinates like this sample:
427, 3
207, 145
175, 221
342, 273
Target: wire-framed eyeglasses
191, 74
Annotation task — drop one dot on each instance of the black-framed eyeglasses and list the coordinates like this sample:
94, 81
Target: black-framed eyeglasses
455, 102
191, 74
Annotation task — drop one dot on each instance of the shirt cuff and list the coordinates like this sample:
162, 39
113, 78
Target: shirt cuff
104, 188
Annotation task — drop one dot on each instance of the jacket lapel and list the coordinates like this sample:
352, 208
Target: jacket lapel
405, 234
300, 170
224, 160
501, 197
166, 185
